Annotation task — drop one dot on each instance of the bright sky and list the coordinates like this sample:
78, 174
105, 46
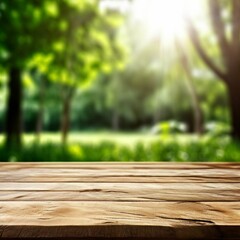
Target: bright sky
165, 18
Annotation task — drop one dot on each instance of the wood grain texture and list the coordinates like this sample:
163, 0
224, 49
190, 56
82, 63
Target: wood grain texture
30, 174
108, 172
117, 165
113, 179
120, 201
169, 220
120, 192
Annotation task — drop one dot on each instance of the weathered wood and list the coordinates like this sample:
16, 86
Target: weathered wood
111, 179
124, 191
136, 201
117, 165
163, 220
108, 172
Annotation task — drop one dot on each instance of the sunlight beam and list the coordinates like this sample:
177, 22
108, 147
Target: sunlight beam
166, 18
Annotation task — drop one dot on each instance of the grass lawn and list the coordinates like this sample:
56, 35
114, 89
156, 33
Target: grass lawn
107, 146
123, 138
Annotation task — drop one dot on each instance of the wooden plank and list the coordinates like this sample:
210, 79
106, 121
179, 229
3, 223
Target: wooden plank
120, 201
120, 192
133, 186
117, 165
176, 220
113, 179
143, 172
52, 172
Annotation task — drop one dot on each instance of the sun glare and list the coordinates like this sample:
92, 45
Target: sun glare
167, 18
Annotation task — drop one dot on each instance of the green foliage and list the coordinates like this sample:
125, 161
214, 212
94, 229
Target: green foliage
217, 129
144, 102
88, 45
169, 127
206, 149
122, 72
27, 27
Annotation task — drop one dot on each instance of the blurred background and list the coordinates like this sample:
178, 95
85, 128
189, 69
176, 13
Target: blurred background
119, 80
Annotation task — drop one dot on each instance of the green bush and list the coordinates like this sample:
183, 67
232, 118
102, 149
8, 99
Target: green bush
205, 149
217, 129
169, 127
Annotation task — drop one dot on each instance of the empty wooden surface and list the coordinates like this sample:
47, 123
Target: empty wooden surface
168, 201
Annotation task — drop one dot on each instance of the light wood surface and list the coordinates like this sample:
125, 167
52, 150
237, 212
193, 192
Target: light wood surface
165, 201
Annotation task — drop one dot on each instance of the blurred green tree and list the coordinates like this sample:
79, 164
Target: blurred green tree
229, 47
27, 27
89, 46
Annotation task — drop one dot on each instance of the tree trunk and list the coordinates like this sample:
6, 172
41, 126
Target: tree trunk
234, 97
65, 122
14, 109
40, 115
197, 111
115, 120
156, 116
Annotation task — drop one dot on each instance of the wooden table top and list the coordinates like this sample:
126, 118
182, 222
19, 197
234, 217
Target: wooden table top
168, 201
